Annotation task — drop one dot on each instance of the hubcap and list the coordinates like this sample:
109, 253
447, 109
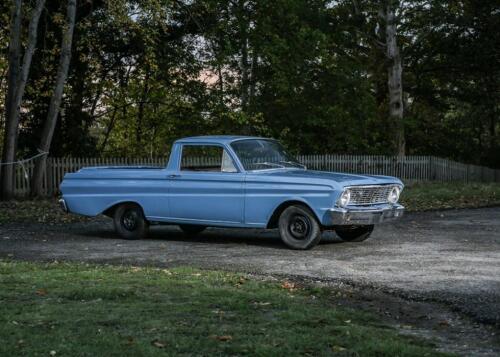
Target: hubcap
299, 227
129, 220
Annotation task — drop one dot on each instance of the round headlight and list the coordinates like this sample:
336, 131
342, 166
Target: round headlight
344, 198
394, 194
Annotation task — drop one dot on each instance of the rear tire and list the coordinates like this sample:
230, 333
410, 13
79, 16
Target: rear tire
129, 221
354, 233
192, 229
299, 228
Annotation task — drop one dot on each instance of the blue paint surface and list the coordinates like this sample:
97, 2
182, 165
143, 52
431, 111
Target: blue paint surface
237, 199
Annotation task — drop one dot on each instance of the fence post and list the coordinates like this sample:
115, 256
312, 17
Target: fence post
49, 173
432, 168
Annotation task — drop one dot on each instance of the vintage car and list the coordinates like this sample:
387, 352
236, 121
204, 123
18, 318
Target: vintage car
234, 181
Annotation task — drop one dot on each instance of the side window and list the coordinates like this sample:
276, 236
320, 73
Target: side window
206, 158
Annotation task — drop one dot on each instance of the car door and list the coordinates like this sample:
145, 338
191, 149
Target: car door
207, 187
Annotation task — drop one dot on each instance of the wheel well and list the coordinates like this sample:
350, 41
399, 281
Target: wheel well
273, 221
111, 210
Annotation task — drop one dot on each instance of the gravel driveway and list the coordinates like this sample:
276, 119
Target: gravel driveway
448, 257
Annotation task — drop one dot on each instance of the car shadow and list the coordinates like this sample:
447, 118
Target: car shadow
222, 236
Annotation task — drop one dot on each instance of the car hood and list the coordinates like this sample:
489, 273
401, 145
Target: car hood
322, 177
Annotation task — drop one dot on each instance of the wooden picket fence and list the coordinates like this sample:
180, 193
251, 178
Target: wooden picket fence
408, 168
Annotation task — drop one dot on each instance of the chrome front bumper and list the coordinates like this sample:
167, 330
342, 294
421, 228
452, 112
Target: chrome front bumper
359, 215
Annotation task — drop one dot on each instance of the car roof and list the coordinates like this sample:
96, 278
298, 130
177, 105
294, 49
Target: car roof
221, 139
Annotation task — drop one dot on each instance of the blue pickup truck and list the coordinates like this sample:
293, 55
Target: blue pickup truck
234, 181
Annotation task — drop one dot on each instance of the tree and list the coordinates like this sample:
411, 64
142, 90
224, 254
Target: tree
8, 153
452, 75
17, 84
387, 13
322, 76
53, 113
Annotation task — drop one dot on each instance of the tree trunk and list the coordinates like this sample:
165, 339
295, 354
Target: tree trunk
9, 152
55, 101
140, 112
244, 72
28, 55
244, 68
394, 73
244, 65
220, 82
253, 78
108, 132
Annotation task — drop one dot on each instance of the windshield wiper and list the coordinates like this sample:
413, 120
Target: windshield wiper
269, 164
294, 163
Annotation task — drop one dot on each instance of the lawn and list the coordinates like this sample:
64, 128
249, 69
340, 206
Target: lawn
427, 196
74, 309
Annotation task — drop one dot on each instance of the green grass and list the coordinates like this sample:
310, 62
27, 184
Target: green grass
86, 310
428, 196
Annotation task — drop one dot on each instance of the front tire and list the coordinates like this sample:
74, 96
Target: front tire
299, 228
354, 233
129, 221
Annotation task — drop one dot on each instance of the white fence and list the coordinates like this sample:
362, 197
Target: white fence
408, 168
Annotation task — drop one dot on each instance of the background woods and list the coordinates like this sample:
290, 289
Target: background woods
358, 77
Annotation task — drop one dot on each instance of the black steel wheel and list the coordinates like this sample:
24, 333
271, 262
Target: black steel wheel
192, 229
129, 221
299, 228
354, 233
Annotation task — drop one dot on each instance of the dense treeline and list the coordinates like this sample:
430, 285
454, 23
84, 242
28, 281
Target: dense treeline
312, 73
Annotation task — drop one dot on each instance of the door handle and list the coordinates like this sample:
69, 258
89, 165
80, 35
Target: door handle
173, 175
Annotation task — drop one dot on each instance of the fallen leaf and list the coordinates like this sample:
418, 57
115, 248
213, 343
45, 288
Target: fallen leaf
52, 353
223, 338
261, 303
288, 285
130, 341
338, 349
158, 343
41, 292
347, 321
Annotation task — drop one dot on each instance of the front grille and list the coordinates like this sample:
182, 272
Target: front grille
368, 195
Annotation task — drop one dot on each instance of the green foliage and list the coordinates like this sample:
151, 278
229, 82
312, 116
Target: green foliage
76, 309
309, 72
453, 77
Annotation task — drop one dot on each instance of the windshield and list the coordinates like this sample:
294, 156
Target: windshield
262, 154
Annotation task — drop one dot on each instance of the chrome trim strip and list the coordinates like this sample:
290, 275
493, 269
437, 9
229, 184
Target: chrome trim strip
370, 186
